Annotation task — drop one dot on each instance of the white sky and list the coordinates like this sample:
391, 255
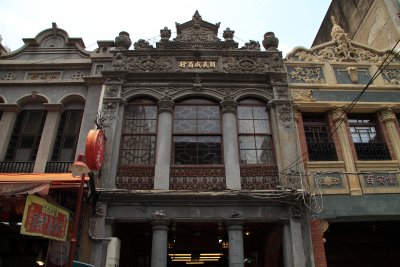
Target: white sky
294, 22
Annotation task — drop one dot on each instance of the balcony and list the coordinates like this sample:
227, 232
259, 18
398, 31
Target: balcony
321, 152
372, 151
58, 166
16, 166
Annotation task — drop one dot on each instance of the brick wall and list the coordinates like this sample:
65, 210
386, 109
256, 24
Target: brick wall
318, 244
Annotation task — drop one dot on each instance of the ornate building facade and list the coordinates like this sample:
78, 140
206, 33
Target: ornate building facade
199, 152
346, 97
200, 146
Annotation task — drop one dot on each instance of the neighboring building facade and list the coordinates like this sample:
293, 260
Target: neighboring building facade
46, 109
375, 23
350, 143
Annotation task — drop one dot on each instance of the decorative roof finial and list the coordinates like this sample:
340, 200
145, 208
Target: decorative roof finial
337, 31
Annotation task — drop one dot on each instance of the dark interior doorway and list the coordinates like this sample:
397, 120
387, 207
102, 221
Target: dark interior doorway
205, 244
367, 244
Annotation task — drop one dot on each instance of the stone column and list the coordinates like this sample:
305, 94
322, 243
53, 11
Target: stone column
235, 237
293, 244
159, 247
164, 135
48, 137
10, 112
389, 118
97, 231
231, 146
354, 183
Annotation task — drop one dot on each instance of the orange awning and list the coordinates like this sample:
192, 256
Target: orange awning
30, 183
39, 177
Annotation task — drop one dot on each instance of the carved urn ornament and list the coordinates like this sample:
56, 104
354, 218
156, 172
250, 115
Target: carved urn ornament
122, 41
270, 42
165, 34
228, 35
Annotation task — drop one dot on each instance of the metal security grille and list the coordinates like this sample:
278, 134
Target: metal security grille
197, 135
138, 140
367, 141
319, 145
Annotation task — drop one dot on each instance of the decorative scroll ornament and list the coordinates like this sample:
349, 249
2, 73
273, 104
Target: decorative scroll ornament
387, 115
142, 44
392, 77
106, 116
285, 116
149, 64
340, 49
246, 65
303, 95
9, 76
307, 75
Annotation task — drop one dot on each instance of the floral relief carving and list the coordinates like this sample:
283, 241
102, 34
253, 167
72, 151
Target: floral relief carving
112, 90
285, 115
149, 64
303, 95
246, 65
197, 178
119, 61
259, 178
392, 77
307, 74
135, 178
281, 92
9, 76
77, 75
342, 49
107, 115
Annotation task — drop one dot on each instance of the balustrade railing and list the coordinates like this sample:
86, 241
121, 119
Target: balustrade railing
16, 166
372, 151
321, 152
57, 166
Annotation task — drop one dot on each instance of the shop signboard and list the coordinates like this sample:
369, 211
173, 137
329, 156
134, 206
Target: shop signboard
42, 218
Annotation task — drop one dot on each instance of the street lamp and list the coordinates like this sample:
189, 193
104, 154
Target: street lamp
78, 168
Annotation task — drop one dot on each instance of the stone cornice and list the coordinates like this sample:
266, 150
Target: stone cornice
53, 107
10, 107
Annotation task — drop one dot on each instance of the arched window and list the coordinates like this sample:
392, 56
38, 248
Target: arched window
197, 133
255, 138
67, 135
138, 142
25, 138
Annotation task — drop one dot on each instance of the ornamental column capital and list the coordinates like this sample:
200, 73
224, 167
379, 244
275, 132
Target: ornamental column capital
166, 104
337, 114
387, 115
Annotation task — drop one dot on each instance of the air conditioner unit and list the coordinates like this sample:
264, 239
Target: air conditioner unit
113, 250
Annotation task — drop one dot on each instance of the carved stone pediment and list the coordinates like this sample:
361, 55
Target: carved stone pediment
340, 49
197, 30
198, 33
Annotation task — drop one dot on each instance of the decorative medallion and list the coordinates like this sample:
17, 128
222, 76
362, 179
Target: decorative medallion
285, 116
77, 75
242, 64
149, 64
